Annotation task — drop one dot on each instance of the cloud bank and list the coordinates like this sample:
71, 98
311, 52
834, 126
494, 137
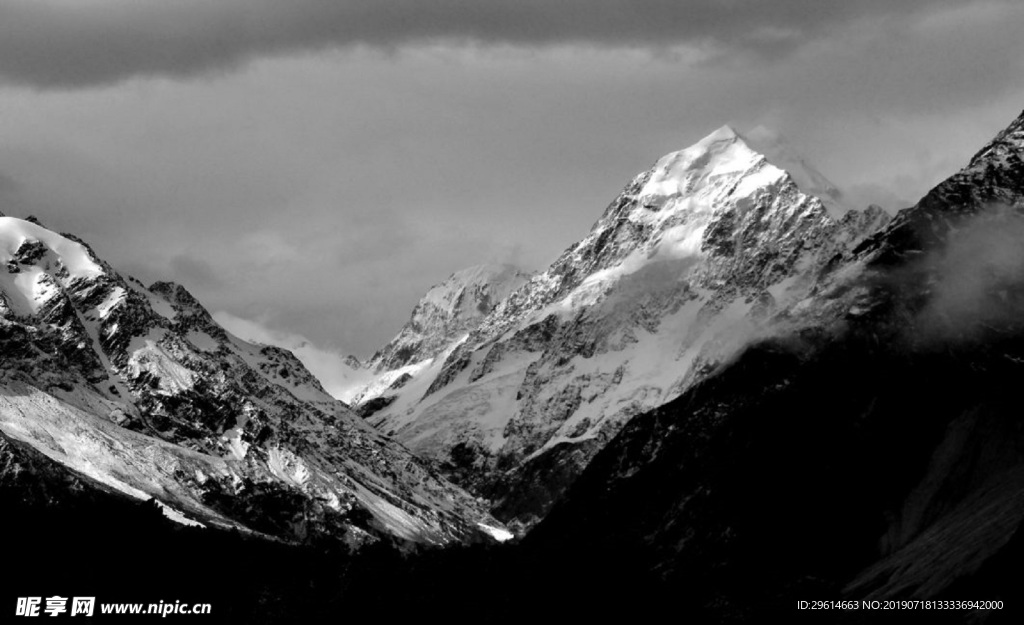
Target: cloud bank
67, 44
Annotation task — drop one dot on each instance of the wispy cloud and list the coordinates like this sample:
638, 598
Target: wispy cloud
978, 276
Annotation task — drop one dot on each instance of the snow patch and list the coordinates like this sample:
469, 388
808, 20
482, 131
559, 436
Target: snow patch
115, 297
497, 533
146, 355
176, 516
287, 466
75, 258
237, 448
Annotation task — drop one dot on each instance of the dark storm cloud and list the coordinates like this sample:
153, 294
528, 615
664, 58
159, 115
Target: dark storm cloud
60, 44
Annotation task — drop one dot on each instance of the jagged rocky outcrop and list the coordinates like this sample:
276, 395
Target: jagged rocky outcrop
689, 263
140, 390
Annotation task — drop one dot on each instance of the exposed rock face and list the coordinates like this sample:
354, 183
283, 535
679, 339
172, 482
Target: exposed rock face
686, 266
871, 448
141, 390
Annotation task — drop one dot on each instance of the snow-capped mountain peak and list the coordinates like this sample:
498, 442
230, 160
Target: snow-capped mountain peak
718, 199
690, 260
721, 153
37, 260
725, 153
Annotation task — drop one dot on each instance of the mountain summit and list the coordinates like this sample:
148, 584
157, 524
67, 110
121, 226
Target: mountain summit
685, 266
783, 155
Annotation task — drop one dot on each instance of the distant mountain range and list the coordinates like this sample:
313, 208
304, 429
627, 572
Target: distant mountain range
735, 392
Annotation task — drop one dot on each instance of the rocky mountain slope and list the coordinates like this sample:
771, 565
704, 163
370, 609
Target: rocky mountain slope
686, 266
138, 389
447, 312
873, 447
442, 318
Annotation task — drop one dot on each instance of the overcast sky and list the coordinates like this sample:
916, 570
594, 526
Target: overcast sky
314, 165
